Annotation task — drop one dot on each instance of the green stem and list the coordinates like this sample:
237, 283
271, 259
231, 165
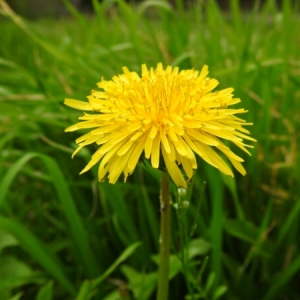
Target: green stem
164, 252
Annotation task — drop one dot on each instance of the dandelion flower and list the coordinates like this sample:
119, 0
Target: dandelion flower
166, 116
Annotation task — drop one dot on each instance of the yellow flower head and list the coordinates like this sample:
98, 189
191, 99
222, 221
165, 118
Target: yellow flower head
168, 115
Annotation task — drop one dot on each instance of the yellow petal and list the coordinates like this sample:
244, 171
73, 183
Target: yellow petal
246, 137
229, 153
164, 140
203, 137
117, 137
125, 148
203, 73
76, 151
104, 139
118, 166
172, 154
173, 170
187, 166
83, 138
145, 72
137, 135
81, 105
134, 126
96, 157
82, 125
138, 149
148, 147
153, 132
216, 160
180, 147
172, 134
192, 145
92, 139
228, 135
155, 153
108, 160
238, 166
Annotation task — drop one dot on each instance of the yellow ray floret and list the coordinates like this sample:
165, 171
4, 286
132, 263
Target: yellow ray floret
167, 116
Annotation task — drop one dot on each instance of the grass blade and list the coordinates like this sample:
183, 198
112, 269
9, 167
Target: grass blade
37, 250
79, 234
283, 279
45, 293
124, 255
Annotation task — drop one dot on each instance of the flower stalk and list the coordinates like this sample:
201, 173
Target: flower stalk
164, 252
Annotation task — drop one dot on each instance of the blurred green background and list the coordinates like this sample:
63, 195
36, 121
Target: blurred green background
65, 236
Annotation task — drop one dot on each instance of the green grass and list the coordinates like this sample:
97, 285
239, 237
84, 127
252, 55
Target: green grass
65, 236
